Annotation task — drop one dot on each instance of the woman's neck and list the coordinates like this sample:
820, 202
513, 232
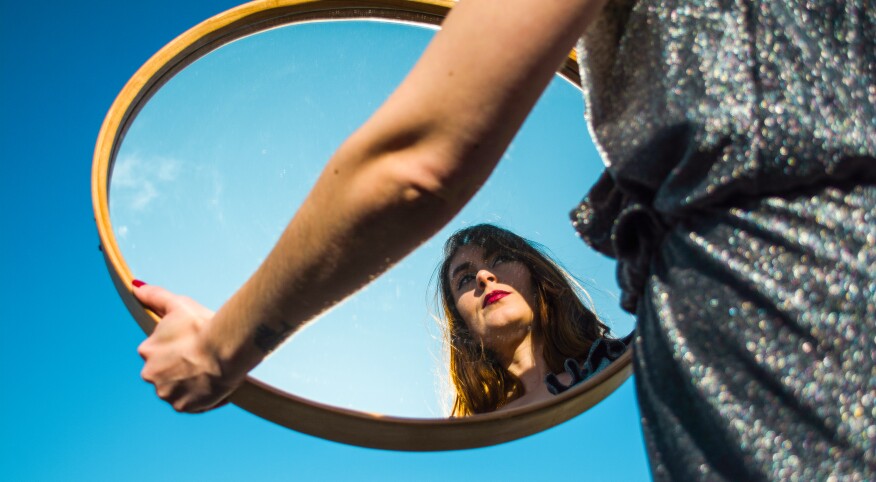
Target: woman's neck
526, 362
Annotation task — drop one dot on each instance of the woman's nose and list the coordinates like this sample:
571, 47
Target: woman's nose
485, 277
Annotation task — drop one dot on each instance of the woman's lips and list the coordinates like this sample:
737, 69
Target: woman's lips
494, 296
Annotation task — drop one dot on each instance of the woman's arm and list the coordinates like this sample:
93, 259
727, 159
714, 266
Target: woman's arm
395, 182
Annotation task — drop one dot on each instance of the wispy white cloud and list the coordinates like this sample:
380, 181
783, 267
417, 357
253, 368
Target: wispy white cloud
168, 169
137, 182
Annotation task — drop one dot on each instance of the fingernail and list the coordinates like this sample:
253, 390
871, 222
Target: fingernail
137, 283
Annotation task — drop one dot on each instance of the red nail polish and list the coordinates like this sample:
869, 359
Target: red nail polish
137, 283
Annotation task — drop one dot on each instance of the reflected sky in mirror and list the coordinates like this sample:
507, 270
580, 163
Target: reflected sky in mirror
217, 161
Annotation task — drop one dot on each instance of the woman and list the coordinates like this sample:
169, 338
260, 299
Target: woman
739, 140
514, 320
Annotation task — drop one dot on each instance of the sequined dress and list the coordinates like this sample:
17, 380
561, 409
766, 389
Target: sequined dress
739, 139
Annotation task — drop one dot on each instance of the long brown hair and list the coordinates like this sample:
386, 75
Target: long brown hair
565, 326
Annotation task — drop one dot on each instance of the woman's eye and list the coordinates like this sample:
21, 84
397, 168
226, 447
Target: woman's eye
464, 280
502, 258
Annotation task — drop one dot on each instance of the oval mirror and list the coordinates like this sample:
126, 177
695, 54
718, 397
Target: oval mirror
209, 149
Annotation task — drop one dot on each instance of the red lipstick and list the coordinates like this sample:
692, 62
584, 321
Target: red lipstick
494, 296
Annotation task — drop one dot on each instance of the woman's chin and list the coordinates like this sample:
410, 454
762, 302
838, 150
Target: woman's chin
506, 334
508, 318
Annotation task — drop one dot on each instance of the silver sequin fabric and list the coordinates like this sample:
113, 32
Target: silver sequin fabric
739, 139
756, 357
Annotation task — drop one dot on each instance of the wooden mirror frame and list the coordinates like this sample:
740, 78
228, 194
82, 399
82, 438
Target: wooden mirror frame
321, 420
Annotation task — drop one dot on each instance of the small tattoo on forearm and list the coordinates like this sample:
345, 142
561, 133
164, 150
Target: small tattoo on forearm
267, 338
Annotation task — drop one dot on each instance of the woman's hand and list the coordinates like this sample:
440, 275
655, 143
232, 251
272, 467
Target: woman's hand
180, 360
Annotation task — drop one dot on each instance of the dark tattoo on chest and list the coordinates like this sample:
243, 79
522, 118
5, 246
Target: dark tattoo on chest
267, 338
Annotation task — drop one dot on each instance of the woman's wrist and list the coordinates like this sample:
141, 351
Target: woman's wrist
228, 342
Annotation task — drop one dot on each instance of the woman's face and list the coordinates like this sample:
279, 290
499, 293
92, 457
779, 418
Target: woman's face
493, 294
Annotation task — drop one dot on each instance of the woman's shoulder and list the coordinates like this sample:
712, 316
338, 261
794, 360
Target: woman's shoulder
602, 352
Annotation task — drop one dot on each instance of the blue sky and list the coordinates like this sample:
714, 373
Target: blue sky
74, 407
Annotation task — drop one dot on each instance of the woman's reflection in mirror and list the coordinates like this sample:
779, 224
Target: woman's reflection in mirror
516, 323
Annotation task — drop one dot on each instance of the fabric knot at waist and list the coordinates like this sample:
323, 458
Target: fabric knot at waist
619, 225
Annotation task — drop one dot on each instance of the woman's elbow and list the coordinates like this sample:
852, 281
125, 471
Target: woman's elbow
421, 168
435, 178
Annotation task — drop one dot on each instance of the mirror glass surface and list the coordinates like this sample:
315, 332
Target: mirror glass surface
217, 161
